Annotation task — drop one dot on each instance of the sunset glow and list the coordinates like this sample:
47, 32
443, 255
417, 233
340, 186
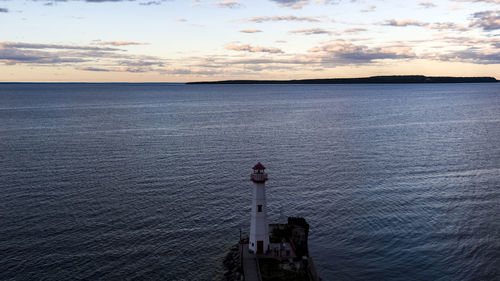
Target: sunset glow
180, 41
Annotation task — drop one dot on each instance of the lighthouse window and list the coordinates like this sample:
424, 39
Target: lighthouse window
259, 208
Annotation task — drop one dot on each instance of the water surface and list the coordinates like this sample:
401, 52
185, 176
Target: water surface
134, 182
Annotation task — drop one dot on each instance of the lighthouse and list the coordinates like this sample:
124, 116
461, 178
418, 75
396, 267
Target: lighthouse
259, 229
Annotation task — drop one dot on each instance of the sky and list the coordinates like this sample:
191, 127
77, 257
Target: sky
198, 40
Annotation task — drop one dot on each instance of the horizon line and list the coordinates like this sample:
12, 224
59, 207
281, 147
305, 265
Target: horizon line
250, 80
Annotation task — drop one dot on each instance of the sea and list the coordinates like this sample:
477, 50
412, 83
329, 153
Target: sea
151, 181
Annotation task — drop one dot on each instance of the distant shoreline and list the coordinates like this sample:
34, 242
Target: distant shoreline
394, 79
93, 83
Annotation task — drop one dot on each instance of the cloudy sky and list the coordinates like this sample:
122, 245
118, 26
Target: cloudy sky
191, 40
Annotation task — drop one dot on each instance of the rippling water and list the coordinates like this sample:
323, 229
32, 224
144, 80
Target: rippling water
130, 182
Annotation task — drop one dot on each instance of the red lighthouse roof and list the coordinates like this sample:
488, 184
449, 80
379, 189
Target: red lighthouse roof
259, 166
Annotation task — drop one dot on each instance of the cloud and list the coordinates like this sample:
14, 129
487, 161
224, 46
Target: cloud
96, 1
121, 43
228, 4
487, 20
250, 30
10, 56
21, 45
79, 57
354, 30
150, 3
334, 2
470, 55
312, 31
294, 4
327, 55
468, 49
369, 9
266, 62
135, 69
4, 10
253, 49
437, 26
328, 1
90, 68
427, 5
448, 25
147, 3
340, 52
282, 18
488, 43
137, 63
393, 22
486, 1
189, 71
118, 69
102, 1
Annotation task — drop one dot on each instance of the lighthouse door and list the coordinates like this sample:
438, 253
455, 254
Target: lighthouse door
260, 247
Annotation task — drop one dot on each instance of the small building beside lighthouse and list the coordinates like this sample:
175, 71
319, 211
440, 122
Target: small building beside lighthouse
259, 227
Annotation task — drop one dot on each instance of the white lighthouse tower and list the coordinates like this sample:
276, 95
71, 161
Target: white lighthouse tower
259, 229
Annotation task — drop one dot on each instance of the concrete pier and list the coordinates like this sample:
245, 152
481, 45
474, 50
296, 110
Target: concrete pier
250, 265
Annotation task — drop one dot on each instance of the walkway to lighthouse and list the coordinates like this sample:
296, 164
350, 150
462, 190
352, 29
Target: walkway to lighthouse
250, 267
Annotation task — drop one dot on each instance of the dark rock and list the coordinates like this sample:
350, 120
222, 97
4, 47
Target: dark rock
232, 264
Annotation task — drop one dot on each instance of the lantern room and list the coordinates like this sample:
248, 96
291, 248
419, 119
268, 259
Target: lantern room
259, 175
